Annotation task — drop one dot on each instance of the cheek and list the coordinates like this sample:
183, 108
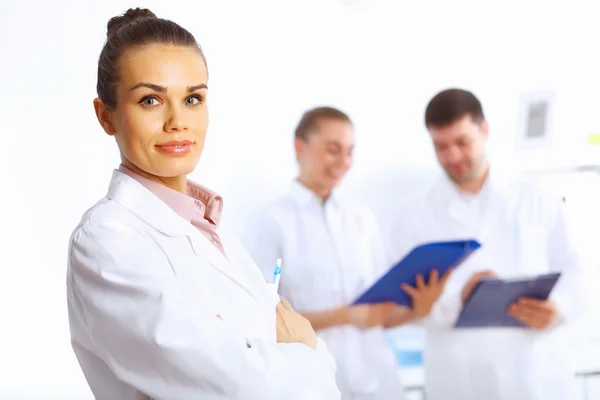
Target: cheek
142, 130
197, 124
441, 156
137, 132
201, 119
329, 161
348, 161
470, 153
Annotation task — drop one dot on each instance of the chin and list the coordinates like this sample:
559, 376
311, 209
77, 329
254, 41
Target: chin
461, 177
179, 167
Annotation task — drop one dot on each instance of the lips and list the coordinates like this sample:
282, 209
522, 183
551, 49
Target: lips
176, 147
175, 143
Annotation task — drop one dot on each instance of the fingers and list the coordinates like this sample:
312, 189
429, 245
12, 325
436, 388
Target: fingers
433, 278
468, 289
409, 290
420, 282
286, 304
530, 320
536, 303
479, 276
532, 306
533, 314
525, 320
487, 274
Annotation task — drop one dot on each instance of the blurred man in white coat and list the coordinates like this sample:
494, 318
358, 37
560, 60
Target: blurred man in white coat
523, 233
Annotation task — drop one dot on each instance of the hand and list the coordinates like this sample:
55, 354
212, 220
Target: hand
536, 314
293, 327
424, 295
369, 315
470, 285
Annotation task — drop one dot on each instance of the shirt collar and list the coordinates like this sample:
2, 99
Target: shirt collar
198, 198
495, 183
305, 197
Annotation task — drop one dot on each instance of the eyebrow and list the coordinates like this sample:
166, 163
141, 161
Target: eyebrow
163, 89
336, 144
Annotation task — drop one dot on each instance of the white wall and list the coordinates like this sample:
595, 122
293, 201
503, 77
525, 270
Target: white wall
269, 61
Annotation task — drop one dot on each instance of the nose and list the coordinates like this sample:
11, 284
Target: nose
175, 121
453, 155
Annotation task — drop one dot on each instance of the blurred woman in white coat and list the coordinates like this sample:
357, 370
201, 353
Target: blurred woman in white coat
331, 252
162, 304
523, 233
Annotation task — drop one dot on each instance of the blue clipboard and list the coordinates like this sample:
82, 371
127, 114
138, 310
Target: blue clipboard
488, 304
421, 260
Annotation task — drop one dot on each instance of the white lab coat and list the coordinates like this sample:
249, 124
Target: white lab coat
523, 233
145, 289
330, 254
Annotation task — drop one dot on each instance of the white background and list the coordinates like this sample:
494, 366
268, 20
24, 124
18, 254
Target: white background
380, 61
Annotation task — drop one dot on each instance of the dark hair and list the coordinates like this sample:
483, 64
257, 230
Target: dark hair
137, 27
450, 105
311, 118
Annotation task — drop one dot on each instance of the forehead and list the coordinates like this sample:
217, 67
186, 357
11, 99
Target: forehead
462, 128
163, 64
334, 130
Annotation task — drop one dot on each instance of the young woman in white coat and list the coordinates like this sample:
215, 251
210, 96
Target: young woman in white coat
523, 233
162, 304
331, 252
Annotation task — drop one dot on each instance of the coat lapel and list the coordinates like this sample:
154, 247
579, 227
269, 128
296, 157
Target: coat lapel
457, 210
205, 249
140, 201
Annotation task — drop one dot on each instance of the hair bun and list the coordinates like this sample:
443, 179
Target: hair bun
133, 14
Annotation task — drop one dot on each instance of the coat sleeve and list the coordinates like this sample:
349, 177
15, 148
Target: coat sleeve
154, 336
573, 294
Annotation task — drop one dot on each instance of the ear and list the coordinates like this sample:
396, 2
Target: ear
299, 146
104, 117
485, 128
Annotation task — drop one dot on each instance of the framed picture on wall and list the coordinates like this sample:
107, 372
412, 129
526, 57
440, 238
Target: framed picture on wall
536, 120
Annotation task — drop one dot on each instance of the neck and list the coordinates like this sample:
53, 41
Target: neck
475, 184
177, 183
322, 192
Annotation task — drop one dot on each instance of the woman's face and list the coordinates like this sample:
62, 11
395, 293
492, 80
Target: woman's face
161, 117
326, 155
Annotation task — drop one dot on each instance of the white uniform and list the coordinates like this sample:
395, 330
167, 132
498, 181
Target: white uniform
523, 233
331, 253
156, 311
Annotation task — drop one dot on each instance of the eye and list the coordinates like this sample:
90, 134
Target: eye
193, 100
462, 143
149, 101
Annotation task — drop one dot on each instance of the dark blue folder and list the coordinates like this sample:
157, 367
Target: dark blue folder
421, 260
488, 305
